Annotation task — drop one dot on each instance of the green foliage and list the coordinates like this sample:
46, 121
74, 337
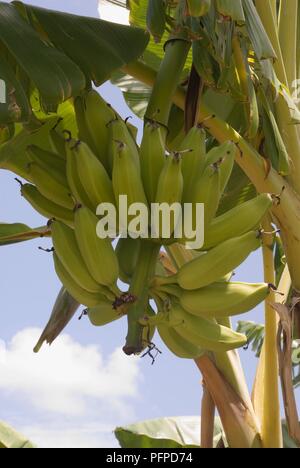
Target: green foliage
9, 438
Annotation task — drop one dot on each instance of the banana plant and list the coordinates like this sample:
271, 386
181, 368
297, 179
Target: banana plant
229, 69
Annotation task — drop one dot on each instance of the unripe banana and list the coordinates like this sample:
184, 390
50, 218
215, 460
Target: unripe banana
178, 345
216, 263
206, 334
198, 8
119, 132
93, 176
78, 190
50, 186
238, 221
62, 313
152, 154
169, 191
103, 314
207, 191
84, 133
127, 181
127, 251
67, 250
82, 296
225, 154
224, 299
48, 161
193, 161
98, 254
156, 18
98, 114
57, 143
46, 207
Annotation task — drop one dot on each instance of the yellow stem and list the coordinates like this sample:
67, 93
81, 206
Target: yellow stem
271, 420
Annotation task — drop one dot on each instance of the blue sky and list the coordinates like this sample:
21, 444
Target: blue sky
74, 393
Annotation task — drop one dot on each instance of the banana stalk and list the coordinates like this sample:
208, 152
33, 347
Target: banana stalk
271, 419
144, 271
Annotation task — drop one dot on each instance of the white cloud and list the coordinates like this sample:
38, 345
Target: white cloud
114, 13
68, 378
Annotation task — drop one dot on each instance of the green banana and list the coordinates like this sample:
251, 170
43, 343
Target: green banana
197, 8
156, 18
225, 156
207, 334
216, 263
207, 191
48, 161
62, 313
84, 133
98, 254
103, 314
176, 344
81, 295
93, 175
67, 250
238, 221
193, 161
119, 132
46, 207
48, 185
127, 181
75, 184
169, 191
58, 144
224, 299
98, 114
127, 251
152, 155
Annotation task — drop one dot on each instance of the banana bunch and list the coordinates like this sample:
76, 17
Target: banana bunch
104, 163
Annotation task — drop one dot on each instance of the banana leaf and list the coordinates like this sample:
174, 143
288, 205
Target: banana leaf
179, 432
18, 232
58, 54
11, 439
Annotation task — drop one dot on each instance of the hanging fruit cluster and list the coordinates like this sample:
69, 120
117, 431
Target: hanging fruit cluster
104, 163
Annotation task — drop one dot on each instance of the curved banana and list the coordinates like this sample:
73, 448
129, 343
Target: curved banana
46, 207
207, 268
92, 174
207, 191
98, 254
224, 156
98, 114
103, 314
75, 184
237, 221
169, 192
207, 334
119, 132
176, 344
127, 251
67, 250
127, 181
49, 185
82, 296
198, 8
193, 148
58, 144
224, 299
83, 130
152, 155
48, 161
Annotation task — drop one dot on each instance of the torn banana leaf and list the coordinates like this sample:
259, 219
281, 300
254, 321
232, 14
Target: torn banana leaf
232, 9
